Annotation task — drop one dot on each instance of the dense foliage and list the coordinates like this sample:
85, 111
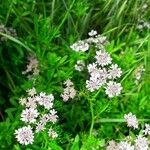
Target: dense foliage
36, 39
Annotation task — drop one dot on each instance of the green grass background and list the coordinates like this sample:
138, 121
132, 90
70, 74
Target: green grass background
46, 29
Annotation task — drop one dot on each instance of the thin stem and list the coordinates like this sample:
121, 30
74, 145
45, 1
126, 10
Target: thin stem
92, 118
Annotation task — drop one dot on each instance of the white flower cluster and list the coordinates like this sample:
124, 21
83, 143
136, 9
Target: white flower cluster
84, 45
132, 143
7, 30
147, 129
131, 120
79, 65
104, 73
32, 67
143, 25
34, 117
138, 74
69, 91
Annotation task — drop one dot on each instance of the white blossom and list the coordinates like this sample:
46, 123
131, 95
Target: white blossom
52, 133
79, 65
52, 116
115, 71
147, 129
113, 89
32, 66
103, 58
29, 115
92, 33
69, 91
125, 146
31, 92
112, 145
92, 67
39, 127
80, 46
23, 101
31, 102
131, 120
141, 143
25, 135
45, 100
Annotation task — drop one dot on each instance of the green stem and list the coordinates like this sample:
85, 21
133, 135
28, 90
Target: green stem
92, 118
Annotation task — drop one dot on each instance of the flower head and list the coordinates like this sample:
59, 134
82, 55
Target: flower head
113, 89
25, 135
29, 115
115, 71
103, 58
131, 120
92, 33
147, 129
141, 143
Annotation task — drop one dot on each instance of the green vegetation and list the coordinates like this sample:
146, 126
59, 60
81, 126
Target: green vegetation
45, 30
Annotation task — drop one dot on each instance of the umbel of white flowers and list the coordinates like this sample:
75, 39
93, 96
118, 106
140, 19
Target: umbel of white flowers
102, 72
140, 142
34, 118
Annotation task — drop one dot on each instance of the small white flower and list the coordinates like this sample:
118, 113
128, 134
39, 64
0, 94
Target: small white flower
69, 91
52, 133
131, 120
24, 135
31, 102
29, 115
39, 127
113, 89
112, 145
45, 100
103, 58
22, 101
92, 67
125, 146
92, 85
80, 46
44, 119
79, 66
92, 33
147, 129
114, 71
31, 92
141, 143
52, 116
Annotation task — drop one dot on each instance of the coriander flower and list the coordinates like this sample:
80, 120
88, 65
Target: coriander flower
92, 33
112, 145
113, 89
31, 102
69, 91
125, 146
25, 135
114, 71
29, 115
141, 143
131, 120
31, 92
80, 46
22, 101
45, 100
79, 65
103, 58
147, 129
92, 67
39, 127
52, 116
52, 133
